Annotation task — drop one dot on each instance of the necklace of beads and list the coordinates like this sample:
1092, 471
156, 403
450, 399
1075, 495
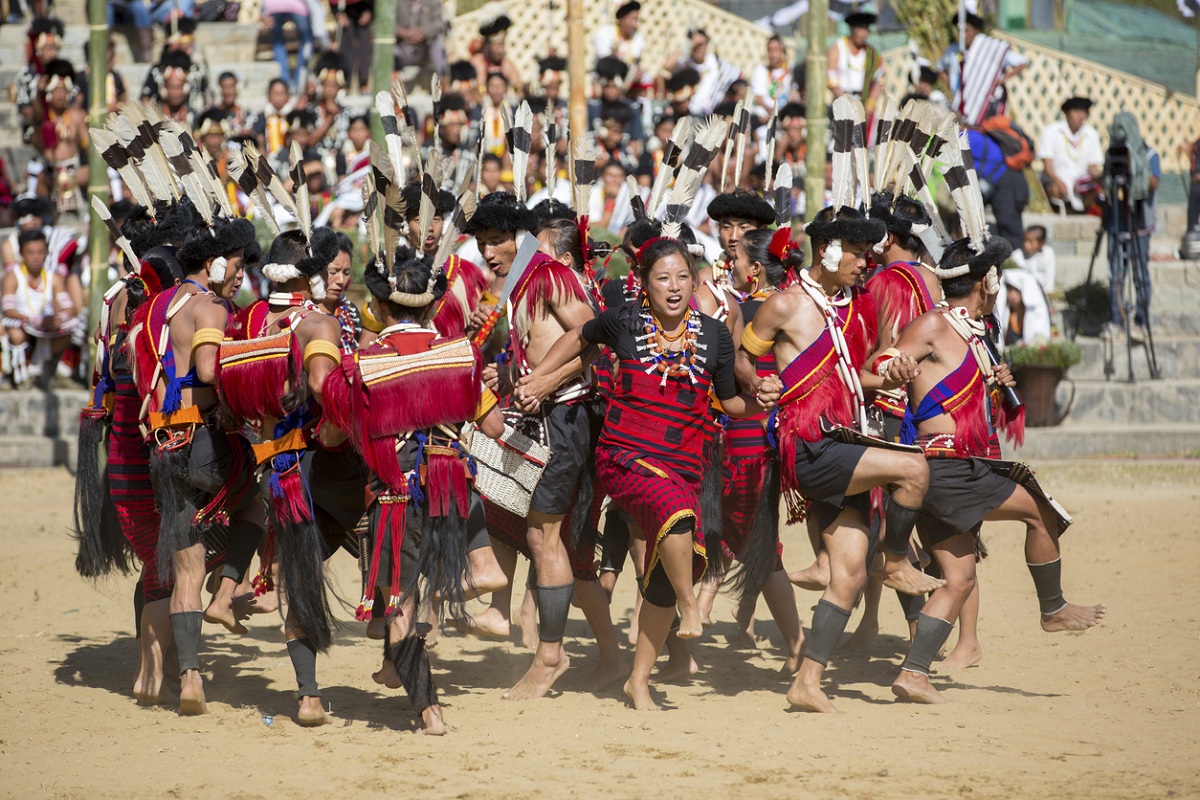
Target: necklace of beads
675, 363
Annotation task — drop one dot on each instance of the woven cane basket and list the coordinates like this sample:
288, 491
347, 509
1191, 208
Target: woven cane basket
508, 469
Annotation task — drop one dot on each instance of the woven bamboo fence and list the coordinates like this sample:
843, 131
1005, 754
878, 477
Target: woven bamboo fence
1166, 119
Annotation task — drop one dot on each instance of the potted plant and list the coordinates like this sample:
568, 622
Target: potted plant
1038, 368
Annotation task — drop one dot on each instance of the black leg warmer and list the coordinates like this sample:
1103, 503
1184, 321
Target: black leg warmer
139, 603
412, 665
932, 633
185, 627
912, 605
828, 625
900, 522
240, 548
304, 662
1047, 579
659, 591
553, 605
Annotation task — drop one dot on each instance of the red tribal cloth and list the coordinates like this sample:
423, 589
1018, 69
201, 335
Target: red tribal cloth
656, 499
507, 527
901, 295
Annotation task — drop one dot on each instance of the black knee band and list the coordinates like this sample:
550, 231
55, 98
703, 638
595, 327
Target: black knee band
304, 661
553, 605
828, 625
900, 523
1047, 579
239, 550
659, 591
912, 605
932, 633
185, 628
139, 604
412, 665
615, 544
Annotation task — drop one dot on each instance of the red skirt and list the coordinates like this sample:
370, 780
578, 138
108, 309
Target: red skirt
655, 498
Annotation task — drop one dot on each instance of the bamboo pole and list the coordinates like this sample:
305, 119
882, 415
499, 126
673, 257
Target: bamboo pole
577, 103
98, 244
383, 31
815, 81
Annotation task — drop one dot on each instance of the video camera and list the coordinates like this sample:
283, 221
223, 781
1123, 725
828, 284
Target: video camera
1116, 162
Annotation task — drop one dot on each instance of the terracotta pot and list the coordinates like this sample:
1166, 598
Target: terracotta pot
1036, 385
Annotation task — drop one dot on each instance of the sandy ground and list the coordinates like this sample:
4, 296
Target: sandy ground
1113, 713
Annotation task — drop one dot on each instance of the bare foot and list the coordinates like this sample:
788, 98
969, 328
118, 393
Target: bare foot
311, 713
246, 604
809, 698
606, 673
387, 675
742, 640
191, 694
488, 625
676, 669
902, 576
863, 638
528, 622
220, 613
690, 626
1073, 618
961, 657
814, 577
154, 693
707, 621
541, 676
432, 723
377, 628
916, 688
485, 577
640, 696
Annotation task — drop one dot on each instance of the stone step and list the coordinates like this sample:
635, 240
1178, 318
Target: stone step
35, 413
34, 451
1178, 357
1164, 274
1146, 402
1079, 441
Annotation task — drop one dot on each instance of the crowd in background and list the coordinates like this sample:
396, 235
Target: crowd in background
634, 107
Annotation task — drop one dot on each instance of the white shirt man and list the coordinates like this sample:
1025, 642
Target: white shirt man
1070, 151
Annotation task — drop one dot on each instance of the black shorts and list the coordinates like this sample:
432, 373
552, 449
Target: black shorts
823, 471
569, 435
415, 523
337, 481
891, 427
962, 492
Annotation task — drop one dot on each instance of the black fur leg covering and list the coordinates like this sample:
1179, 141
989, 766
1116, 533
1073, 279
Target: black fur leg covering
659, 591
900, 523
412, 665
1047, 579
912, 605
185, 628
139, 603
614, 545
553, 605
240, 549
828, 625
304, 662
932, 633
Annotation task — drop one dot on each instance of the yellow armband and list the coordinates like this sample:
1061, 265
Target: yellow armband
207, 336
487, 401
753, 345
320, 347
368, 320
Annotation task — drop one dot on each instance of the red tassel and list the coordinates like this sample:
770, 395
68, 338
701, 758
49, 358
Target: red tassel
263, 582
547, 283
1013, 425
337, 392
290, 499
899, 301
446, 483
363, 613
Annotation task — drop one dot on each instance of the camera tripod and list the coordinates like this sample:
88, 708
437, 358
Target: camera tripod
1119, 223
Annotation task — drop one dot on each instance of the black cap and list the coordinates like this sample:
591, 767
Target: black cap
628, 7
496, 26
1077, 104
611, 68
861, 19
462, 71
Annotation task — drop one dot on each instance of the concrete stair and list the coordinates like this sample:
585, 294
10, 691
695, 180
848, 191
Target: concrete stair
39, 429
1071, 440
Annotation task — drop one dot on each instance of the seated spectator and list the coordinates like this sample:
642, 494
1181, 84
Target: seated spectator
621, 39
551, 74
1006, 191
715, 75
490, 51
611, 73
420, 36
1025, 310
175, 95
143, 14
1193, 203
1037, 257
492, 126
114, 86
277, 14
354, 18
491, 175
237, 119
37, 309
333, 117
179, 52
613, 139
853, 65
463, 80
680, 90
1072, 158
771, 83
61, 137
452, 121
43, 46
270, 126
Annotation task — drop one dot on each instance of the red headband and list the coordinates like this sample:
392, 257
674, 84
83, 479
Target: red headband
781, 243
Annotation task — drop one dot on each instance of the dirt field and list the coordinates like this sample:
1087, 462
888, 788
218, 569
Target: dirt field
1113, 713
